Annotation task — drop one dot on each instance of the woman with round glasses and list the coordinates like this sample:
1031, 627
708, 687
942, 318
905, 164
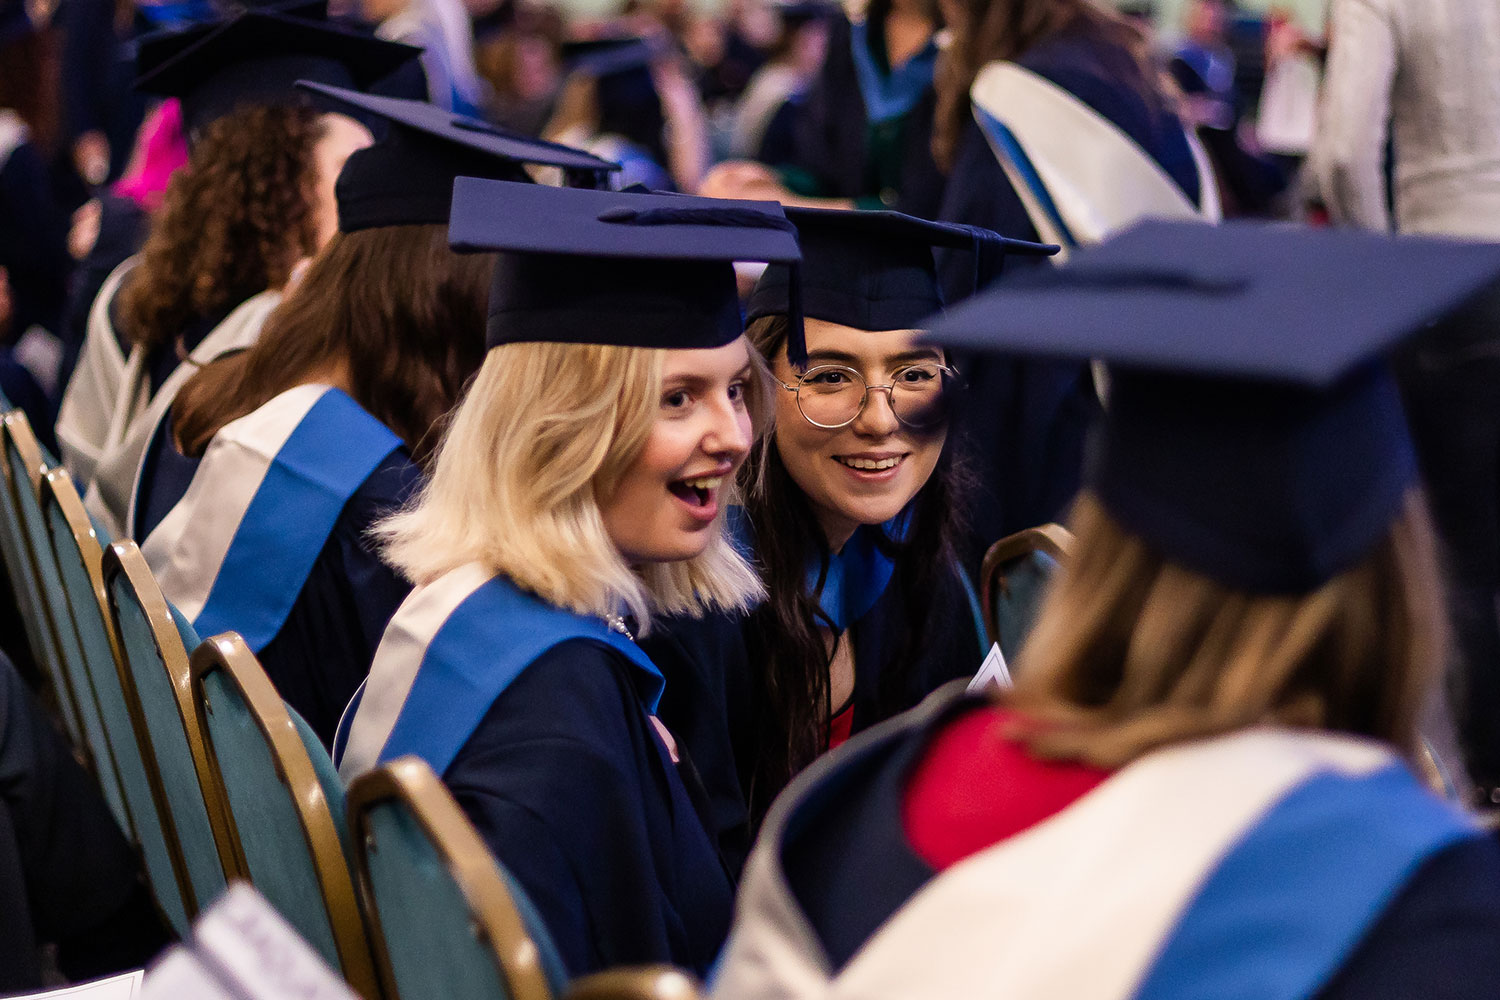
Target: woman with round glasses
853, 512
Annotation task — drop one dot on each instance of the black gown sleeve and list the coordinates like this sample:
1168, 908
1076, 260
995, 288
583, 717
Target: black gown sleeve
568, 783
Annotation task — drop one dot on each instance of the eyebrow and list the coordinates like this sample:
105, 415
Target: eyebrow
695, 379
890, 361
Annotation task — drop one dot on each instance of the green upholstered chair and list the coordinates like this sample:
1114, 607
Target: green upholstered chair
1013, 582
155, 641
53, 642
285, 803
79, 563
445, 919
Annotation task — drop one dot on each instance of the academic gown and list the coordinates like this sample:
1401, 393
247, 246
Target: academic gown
714, 698
844, 149
1260, 891
1026, 419
539, 721
313, 625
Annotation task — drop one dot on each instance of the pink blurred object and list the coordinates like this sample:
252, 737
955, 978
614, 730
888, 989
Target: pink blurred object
160, 148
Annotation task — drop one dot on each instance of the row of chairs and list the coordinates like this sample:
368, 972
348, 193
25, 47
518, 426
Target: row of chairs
213, 777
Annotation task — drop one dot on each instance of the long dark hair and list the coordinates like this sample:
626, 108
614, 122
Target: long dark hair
988, 30
786, 648
402, 309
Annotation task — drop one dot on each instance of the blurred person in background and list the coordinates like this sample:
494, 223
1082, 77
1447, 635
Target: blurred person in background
518, 53
33, 216
1430, 71
862, 134
631, 101
441, 29
764, 115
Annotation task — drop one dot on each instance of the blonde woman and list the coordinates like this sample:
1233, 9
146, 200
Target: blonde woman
579, 492
1199, 784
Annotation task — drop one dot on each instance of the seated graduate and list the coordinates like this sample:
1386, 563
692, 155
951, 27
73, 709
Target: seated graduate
579, 492
256, 498
68, 876
255, 198
854, 509
1199, 786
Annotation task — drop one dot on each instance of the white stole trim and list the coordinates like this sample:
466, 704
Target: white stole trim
1110, 875
397, 659
188, 547
1099, 179
137, 414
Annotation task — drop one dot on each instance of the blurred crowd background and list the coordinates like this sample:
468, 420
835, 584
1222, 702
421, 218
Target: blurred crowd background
742, 99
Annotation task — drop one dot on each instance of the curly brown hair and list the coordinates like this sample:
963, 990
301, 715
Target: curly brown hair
234, 222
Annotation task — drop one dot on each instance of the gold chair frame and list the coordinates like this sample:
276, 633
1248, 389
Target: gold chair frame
1052, 539
14, 427
496, 920
228, 655
125, 559
58, 490
648, 982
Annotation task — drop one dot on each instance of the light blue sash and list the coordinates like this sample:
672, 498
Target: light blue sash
891, 93
484, 645
325, 460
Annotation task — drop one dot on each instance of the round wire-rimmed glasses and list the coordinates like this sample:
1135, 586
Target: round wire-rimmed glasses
833, 396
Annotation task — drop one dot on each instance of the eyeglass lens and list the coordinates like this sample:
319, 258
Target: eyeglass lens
832, 395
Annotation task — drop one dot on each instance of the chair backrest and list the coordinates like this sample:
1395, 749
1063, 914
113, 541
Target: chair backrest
19, 568
647, 982
1013, 582
79, 565
1079, 176
446, 920
156, 662
55, 645
282, 828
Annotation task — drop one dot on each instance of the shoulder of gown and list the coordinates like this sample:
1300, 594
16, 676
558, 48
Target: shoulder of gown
569, 784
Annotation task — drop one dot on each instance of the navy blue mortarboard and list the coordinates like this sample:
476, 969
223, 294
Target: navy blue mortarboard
407, 177
1253, 432
602, 57
867, 270
614, 267
256, 56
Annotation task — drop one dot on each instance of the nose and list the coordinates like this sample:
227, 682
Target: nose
877, 419
728, 433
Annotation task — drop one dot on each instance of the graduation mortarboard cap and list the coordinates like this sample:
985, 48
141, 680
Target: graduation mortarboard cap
256, 56
614, 267
867, 270
1252, 432
407, 177
601, 57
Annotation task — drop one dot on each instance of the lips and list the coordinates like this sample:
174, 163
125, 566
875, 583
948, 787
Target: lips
699, 494
869, 464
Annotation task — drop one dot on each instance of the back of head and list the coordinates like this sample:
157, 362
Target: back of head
393, 306
233, 222
1134, 651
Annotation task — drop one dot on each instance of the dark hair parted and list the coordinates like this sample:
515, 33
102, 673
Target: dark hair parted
234, 222
988, 30
793, 700
400, 311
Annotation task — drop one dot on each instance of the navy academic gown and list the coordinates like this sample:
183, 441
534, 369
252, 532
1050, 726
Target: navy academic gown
850, 867
832, 140
323, 650
570, 786
1026, 419
713, 698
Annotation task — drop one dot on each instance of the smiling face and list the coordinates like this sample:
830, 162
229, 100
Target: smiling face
868, 470
665, 506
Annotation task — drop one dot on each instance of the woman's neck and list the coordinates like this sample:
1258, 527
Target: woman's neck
907, 32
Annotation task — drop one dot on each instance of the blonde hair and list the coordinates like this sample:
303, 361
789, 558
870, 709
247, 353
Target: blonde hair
544, 433
1132, 652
